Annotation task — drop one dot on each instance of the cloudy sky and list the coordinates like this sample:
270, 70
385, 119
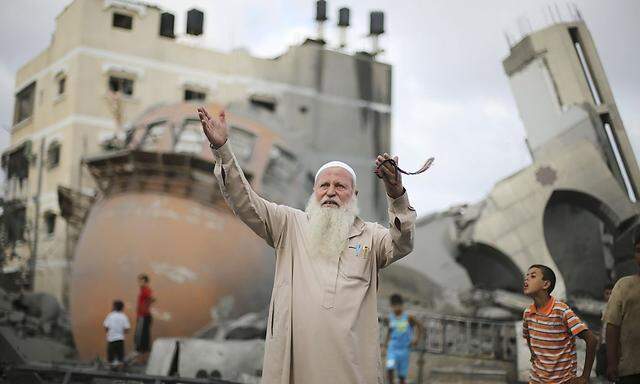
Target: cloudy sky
451, 98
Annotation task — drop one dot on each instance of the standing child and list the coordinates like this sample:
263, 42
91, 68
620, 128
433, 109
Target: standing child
116, 324
400, 339
143, 321
550, 327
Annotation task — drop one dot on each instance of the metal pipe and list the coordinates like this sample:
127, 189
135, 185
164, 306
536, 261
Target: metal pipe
343, 37
320, 30
34, 248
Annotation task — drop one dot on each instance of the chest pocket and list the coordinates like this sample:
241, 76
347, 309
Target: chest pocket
355, 261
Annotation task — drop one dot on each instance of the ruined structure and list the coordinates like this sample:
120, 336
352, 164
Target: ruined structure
108, 174
574, 207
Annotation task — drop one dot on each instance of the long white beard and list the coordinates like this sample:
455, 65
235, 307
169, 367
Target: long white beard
329, 227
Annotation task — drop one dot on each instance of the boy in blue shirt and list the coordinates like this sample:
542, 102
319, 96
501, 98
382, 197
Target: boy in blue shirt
400, 339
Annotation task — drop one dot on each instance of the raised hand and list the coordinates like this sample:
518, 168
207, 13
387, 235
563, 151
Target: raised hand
389, 174
215, 128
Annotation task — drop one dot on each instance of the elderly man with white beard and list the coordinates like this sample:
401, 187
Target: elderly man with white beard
323, 325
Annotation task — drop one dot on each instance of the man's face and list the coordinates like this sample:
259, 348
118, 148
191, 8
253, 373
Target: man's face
334, 188
397, 308
141, 281
533, 282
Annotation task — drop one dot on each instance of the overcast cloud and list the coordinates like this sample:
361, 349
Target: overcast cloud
451, 98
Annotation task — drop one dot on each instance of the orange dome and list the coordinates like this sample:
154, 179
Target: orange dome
161, 213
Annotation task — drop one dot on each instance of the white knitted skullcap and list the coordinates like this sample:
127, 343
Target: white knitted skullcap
337, 164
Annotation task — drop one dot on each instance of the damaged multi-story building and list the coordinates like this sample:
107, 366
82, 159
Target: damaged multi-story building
109, 176
106, 149
574, 208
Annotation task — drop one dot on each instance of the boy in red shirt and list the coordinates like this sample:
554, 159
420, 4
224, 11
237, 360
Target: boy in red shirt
143, 323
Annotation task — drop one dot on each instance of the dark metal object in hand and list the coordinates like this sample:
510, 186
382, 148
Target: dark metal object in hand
427, 164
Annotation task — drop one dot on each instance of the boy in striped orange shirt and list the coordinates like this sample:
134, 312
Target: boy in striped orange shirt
550, 328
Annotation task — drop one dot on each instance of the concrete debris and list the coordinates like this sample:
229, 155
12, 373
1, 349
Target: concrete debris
231, 350
35, 326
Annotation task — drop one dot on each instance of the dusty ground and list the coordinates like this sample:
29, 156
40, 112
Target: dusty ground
452, 369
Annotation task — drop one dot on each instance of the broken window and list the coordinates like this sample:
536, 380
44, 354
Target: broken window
191, 138
15, 221
62, 80
50, 222
122, 21
190, 95
53, 155
154, 134
16, 162
121, 85
586, 68
620, 161
267, 102
242, 142
281, 168
24, 103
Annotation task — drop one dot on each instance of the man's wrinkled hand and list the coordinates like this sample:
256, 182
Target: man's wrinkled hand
390, 176
215, 128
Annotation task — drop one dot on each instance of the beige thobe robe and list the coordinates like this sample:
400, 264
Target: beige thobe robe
323, 325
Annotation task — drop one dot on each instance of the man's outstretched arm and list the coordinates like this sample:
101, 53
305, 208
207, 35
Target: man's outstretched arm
265, 218
396, 241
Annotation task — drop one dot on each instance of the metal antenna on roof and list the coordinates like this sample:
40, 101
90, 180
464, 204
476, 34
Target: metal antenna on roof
553, 18
376, 28
558, 12
321, 17
343, 24
578, 13
506, 36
